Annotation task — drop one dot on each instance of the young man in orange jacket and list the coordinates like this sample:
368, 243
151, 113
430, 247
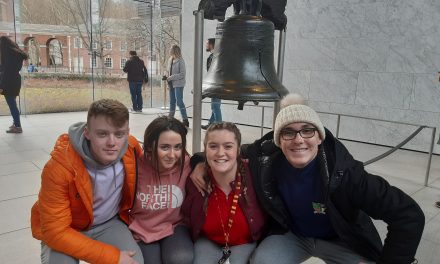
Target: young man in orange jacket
87, 189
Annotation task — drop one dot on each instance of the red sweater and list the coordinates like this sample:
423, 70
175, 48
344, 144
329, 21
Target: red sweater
212, 229
194, 209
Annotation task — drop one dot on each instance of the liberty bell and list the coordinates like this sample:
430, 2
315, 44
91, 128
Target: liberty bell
243, 67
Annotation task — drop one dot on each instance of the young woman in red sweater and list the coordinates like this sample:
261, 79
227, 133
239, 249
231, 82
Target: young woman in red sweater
227, 222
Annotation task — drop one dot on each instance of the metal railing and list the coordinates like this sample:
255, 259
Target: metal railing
338, 125
398, 146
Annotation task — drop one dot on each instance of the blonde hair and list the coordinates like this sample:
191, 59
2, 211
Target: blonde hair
175, 51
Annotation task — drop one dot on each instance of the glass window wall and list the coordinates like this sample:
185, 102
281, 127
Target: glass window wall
78, 48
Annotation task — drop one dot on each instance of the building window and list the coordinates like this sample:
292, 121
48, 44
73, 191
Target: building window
77, 44
123, 45
137, 45
55, 52
108, 45
123, 61
108, 63
93, 62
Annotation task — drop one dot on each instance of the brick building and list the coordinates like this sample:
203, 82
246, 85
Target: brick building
55, 48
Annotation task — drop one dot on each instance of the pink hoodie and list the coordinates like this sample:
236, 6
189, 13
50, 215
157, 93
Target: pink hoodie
156, 209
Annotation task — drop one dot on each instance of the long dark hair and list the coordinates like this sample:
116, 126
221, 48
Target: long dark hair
152, 134
7, 46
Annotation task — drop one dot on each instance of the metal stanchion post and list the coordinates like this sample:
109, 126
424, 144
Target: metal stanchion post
338, 125
280, 69
198, 68
431, 148
262, 122
164, 87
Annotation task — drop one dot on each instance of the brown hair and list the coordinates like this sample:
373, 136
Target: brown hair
231, 127
152, 134
112, 109
211, 41
9, 46
132, 53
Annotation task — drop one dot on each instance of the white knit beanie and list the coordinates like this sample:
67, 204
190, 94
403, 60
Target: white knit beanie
294, 110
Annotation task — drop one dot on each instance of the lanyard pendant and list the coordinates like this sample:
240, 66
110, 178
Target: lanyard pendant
225, 257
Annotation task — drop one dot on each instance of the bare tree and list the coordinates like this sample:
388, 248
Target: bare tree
94, 21
91, 25
86, 17
42, 12
170, 32
158, 40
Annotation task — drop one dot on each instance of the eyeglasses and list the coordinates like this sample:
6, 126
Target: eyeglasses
289, 134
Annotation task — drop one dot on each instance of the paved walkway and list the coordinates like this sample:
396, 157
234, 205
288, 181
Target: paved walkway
23, 156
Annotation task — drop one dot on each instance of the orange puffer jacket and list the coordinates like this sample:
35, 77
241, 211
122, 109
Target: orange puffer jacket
65, 203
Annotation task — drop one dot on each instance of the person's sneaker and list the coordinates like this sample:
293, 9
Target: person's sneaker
204, 127
14, 130
185, 122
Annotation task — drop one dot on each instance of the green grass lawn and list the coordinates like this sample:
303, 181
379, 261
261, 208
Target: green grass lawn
69, 99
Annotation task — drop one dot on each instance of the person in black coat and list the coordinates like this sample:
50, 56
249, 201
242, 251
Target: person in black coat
321, 200
11, 61
136, 75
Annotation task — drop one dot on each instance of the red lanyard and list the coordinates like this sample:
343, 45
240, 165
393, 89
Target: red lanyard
233, 208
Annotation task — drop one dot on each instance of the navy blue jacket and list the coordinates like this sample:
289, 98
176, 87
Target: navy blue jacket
353, 197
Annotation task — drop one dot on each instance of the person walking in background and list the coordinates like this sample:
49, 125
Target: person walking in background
136, 74
156, 220
216, 115
87, 190
11, 62
227, 222
176, 83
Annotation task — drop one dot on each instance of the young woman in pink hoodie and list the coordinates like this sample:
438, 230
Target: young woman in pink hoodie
155, 219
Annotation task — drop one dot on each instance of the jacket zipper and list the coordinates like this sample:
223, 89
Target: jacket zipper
136, 180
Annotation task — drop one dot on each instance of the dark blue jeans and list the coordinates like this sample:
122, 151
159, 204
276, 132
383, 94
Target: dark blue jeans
216, 116
12, 103
136, 95
176, 97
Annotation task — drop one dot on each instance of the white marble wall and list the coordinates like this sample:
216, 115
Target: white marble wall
370, 58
